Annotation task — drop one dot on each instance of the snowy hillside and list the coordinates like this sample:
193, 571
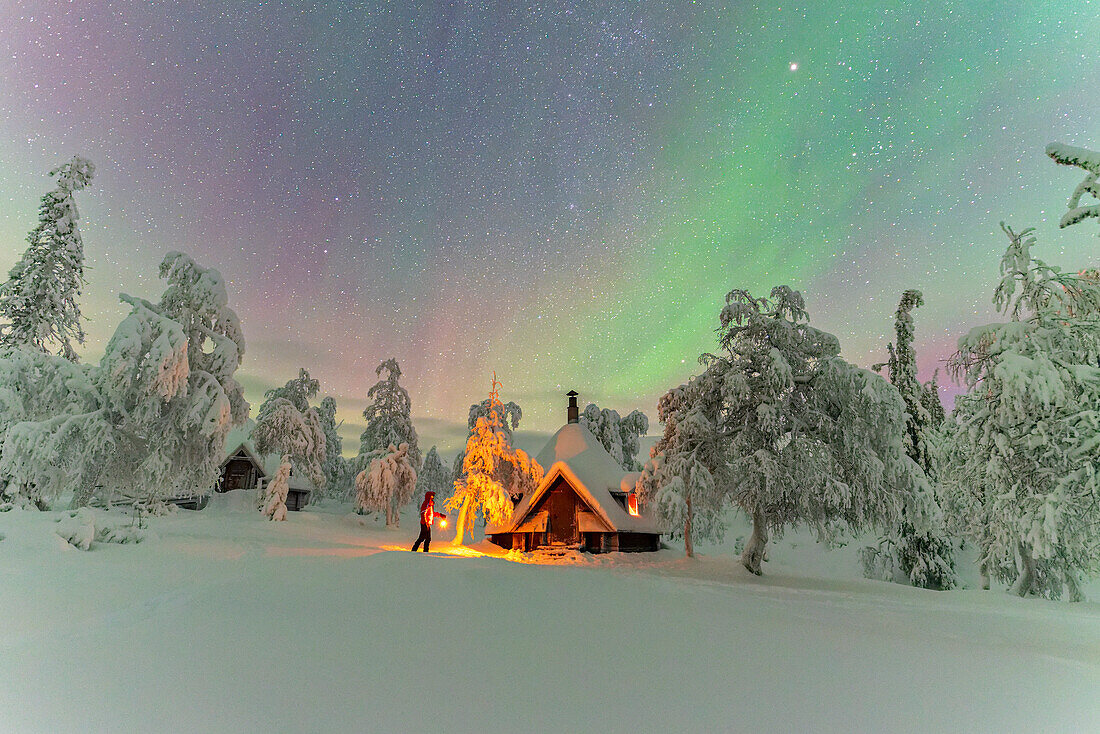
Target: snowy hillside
222, 621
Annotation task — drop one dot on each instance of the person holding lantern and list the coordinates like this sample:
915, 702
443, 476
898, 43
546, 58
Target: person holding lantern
427, 517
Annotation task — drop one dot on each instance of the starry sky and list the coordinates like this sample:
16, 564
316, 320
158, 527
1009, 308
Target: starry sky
561, 192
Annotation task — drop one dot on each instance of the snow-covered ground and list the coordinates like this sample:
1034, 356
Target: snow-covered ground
222, 621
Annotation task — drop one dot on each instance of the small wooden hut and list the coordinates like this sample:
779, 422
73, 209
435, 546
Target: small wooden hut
243, 468
585, 500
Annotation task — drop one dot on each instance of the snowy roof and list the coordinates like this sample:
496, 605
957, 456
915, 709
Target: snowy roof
297, 481
577, 456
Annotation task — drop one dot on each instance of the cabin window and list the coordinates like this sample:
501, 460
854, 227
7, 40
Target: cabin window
632, 503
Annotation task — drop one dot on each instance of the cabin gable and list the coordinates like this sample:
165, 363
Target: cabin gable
563, 514
240, 470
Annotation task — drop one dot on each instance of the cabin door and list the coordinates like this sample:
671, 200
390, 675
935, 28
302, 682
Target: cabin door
562, 518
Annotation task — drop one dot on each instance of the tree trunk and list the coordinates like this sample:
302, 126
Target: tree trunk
1025, 565
983, 571
460, 522
688, 547
753, 554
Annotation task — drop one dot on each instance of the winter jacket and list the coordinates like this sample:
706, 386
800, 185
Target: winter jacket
428, 513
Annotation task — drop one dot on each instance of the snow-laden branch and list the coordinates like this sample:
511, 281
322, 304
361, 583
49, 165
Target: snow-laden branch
1089, 160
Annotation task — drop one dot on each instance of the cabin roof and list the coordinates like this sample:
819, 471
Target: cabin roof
576, 455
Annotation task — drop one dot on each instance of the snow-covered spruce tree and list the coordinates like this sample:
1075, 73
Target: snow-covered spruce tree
507, 414
338, 477
288, 426
1089, 161
620, 436
39, 300
678, 481
923, 556
1020, 466
493, 472
163, 397
389, 417
810, 438
435, 477
387, 484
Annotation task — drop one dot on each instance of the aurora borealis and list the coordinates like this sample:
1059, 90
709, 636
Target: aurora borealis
562, 193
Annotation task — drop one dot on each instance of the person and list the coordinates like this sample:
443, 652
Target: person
427, 517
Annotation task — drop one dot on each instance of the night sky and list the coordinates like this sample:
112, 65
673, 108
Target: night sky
560, 192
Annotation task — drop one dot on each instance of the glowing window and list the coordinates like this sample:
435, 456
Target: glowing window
632, 504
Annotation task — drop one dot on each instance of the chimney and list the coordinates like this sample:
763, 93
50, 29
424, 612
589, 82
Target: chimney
574, 411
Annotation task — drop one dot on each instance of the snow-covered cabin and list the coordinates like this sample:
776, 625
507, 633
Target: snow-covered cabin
585, 500
243, 468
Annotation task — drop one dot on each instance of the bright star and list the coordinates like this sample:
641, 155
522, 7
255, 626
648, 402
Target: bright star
794, 66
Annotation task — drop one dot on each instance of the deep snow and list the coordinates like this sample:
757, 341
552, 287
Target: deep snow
222, 621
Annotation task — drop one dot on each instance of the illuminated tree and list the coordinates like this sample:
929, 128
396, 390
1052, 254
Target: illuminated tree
490, 457
388, 483
39, 299
507, 414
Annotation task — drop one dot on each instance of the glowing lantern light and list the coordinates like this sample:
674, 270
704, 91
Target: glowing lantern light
632, 504
442, 524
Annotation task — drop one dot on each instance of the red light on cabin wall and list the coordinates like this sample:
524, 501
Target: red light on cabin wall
632, 504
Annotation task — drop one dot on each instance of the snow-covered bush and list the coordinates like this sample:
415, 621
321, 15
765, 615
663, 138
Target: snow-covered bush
620, 436
77, 528
35, 386
38, 301
1020, 465
387, 484
123, 534
83, 527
